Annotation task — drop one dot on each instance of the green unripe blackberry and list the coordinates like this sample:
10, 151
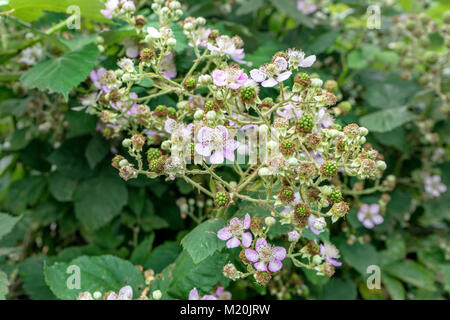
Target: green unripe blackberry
329, 168
306, 123
303, 79
157, 165
337, 126
431, 57
345, 106
286, 195
410, 25
424, 42
153, 153
222, 199
147, 55
209, 106
172, 111
400, 48
408, 63
287, 147
161, 111
302, 210
248, 94
446, 17
190, 84
336, 196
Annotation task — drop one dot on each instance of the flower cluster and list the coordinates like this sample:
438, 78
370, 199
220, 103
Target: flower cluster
285, 150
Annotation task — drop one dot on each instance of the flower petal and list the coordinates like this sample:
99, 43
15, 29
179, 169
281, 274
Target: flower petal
193, 294
279, 253
308, 61
126, 293
269, 83
275, 265
261, 242
257, 75
334, 262
247, 239
203, 150
251, 255
233, 243
224, 234
217, 157
284, 76
260, 266
247, 221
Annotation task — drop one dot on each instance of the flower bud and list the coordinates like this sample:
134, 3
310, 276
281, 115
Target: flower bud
200, 21
97, 295
157, 294
198, 115
381, 165
270, 221
126, 143
293, 236
316, 82
123, 163
165, 145
211, 115
174, 5
204, 80
171, 42
272, 145
188, 26
263, 172
263, 129
317, 259
293, 162
363, 131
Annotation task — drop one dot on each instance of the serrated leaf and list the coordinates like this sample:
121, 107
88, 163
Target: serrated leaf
339, 289
7, 223
162, 256
203, 276
62, 74
386, 120
61, 186
202, 242
102, 273
96, 150
98, 200
32, 274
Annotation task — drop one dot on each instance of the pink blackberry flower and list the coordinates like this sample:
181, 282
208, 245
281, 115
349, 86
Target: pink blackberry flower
216, 144
273, 73
330, 253
266, 255
316, 224
234, 234
233, 78
369, 215
193, 295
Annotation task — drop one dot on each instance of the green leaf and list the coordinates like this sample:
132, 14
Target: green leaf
32, 274
386, 120
390, 92
339, 289
24, 192
7, 223
62, 74
249, 6
394, 287
98, 200
70, 158
412, 273
102, 273
31, 10
396, 250
3, 285
202, 242
203, 276
96, 150
61, 186
162, 256
80, 123
142, 251
289, 7
359, 256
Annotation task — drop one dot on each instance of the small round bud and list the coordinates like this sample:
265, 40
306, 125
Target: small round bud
230, 271
138, 141
200, 21
126, 143
97, 295
316, 82
270, 221
171, 42
123, 163
211, 115
330, 85
317, 259
264, 172
272, 145
188, 26
174, 5
204, 80
363, 131
165, 145
293, 162
381, 165
198, 115
157, 294
293, 236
